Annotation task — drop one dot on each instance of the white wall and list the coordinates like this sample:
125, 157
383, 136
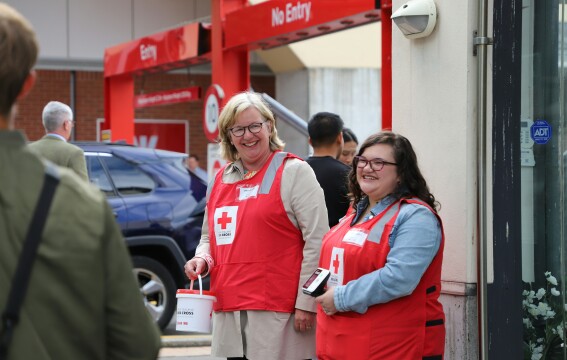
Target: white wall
358, 47
434, 106
79, 30
354, 94
434, 95
292, 91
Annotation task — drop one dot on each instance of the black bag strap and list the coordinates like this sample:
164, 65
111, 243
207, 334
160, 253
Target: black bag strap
10, 316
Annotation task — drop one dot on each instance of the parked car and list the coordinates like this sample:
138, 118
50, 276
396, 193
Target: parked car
159, 205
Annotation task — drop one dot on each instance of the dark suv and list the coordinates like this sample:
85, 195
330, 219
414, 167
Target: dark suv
159, 205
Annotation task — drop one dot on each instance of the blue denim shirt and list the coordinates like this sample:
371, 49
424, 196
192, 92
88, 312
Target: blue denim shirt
414, 242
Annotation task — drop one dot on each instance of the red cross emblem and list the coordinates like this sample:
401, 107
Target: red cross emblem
336, 263
224, 220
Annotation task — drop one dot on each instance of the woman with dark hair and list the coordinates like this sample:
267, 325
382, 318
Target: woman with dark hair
349, 147
385, 261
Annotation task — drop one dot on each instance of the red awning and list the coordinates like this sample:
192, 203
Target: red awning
278, 22
167, 50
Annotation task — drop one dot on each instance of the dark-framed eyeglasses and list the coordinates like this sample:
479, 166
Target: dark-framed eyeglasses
254, 128
375, 164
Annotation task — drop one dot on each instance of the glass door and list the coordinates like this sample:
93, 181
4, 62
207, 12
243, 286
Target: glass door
543, 180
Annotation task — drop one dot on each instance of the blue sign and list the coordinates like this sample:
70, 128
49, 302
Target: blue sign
540, 132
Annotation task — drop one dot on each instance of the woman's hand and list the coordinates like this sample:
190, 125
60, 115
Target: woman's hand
194, 267
304, 320
327, 301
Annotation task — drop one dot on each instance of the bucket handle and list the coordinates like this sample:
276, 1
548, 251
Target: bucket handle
200, 285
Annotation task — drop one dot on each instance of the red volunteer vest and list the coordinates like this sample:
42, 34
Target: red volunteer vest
257, 249
408, 328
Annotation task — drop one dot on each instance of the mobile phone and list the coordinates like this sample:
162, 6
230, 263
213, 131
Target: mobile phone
315, 285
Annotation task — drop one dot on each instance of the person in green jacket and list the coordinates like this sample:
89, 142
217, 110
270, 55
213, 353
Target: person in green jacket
82, 301
58, 122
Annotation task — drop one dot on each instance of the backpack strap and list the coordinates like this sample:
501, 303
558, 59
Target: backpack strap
10, 316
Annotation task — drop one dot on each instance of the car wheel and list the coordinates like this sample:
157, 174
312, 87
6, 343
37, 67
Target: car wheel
157, 288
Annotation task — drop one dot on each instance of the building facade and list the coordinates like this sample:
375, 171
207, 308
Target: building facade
500, 178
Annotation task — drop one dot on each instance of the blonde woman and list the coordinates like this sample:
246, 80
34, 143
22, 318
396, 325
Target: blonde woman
261, 239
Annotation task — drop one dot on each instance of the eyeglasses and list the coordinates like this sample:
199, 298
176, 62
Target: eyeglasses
375, 164
239, 131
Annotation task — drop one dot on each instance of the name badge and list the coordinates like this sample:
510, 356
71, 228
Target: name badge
246, 192
355, 237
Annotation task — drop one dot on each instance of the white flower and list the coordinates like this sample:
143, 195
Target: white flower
558, 331
537, 308
542, 309
534, 310
550, 314
537, 352
550, 278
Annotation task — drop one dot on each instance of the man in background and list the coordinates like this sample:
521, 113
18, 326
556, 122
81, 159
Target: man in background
193, 165
326, 138
58, 122
82, 301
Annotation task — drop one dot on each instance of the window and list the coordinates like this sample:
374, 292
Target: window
543, 173
98, 176
128, 179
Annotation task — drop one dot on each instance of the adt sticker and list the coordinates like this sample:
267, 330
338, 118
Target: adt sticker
540, 132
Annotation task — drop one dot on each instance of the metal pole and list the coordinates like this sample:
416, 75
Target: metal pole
481, 41
73, 91
286, 115
385, 14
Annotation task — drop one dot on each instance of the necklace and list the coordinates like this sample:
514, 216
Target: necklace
249, 174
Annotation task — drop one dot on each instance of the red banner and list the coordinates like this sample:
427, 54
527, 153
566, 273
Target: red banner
167, 97
278, 22
157, 134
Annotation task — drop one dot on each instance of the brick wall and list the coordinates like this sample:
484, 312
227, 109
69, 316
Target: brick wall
89, 102
50, 85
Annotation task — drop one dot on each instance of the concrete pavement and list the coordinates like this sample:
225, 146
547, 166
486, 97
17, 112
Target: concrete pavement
187, 353
186, 347
176, 341
179, 345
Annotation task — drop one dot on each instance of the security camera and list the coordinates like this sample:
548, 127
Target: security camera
416, 18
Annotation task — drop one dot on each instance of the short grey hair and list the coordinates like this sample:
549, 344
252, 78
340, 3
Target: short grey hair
54, 114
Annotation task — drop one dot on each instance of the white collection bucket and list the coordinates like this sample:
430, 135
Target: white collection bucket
194, 309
